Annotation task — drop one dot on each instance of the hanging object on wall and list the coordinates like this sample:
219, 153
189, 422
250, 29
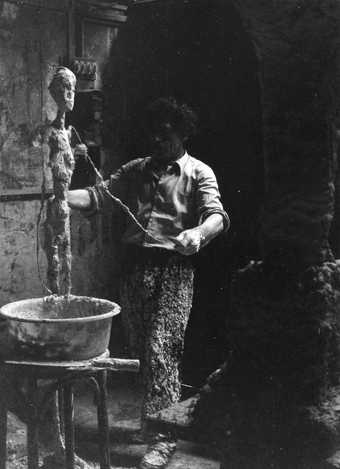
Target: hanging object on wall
85, 70
103, 9
96, 29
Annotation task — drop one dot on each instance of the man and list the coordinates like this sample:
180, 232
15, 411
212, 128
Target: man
175, 198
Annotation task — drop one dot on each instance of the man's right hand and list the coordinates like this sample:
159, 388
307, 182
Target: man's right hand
188, 242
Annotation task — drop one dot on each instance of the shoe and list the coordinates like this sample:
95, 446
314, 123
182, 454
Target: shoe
158, 455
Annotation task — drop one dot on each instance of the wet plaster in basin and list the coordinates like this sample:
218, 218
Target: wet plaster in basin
59, 328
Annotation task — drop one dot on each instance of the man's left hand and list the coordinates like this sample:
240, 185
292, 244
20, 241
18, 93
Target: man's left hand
188, 242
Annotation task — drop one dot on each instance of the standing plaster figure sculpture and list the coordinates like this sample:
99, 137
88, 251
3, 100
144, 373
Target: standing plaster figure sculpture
58, 247
57, 226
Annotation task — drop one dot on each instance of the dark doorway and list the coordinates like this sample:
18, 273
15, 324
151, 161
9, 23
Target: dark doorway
199, 52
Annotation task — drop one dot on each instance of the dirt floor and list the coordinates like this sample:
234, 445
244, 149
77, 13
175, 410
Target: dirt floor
124, 403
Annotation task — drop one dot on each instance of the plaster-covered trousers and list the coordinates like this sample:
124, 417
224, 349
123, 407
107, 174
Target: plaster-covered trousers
156, 297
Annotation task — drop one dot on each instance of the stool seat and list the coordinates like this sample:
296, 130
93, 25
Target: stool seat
63, 375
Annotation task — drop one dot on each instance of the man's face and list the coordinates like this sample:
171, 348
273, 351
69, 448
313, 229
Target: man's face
167, 143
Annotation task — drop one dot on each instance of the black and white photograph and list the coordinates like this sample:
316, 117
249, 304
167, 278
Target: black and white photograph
170, 234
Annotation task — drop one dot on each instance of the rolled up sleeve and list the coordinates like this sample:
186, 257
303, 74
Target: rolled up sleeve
208, 198
98, 193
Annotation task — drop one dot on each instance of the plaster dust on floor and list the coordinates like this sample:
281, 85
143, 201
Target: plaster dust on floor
124, 401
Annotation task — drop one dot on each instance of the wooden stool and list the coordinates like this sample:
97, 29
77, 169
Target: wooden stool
63, 376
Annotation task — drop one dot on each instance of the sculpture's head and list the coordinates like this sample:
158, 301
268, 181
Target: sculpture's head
62, 88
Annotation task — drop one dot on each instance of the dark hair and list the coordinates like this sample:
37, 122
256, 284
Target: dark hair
180, 116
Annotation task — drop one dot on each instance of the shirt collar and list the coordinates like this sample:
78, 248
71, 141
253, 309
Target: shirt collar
181, 162
178, 165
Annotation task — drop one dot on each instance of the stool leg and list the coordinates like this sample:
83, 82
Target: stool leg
32, 425
3, 427
103, 423
69, 425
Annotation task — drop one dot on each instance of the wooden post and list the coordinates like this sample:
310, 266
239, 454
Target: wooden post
69, 425
103, 424
32, 426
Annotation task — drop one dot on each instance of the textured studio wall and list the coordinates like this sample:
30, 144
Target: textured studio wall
33, 41
283, 324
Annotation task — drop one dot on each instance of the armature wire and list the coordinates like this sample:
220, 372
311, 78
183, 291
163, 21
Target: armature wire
115, 199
